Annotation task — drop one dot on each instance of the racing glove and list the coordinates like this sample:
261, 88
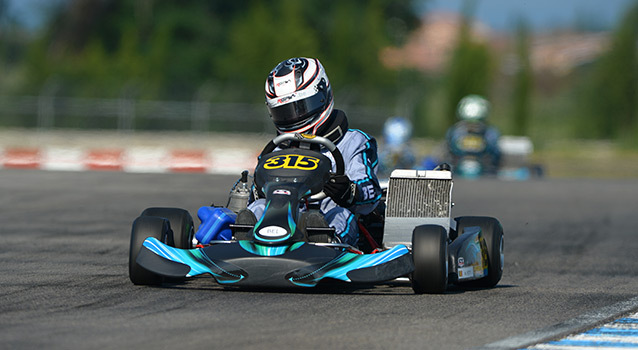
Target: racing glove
341, 189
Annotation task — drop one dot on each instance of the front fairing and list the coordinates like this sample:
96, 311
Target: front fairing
300, 264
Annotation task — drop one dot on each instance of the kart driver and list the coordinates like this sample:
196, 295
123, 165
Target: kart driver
472, 111
396, 149
300, 100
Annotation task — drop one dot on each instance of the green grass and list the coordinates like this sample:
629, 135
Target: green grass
588, 159
572, 158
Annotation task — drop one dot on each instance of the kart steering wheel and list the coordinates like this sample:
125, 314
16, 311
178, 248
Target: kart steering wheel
318, 140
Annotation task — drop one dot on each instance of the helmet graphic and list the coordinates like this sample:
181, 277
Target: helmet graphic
473, 108
397, 131
298, 95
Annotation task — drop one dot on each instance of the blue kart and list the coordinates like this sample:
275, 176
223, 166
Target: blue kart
410, 234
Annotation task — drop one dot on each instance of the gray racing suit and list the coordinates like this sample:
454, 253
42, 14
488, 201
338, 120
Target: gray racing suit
359, 153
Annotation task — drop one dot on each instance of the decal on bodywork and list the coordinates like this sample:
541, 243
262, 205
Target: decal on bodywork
275, 233
473, 263
338, 267
265, 250
292, 161
198, 262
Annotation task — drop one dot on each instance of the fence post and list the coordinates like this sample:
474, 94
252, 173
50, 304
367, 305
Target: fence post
201, 107
126, 108
46, 104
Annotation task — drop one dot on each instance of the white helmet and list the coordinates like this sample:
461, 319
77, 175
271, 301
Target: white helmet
397, 131
473, 108
299, 96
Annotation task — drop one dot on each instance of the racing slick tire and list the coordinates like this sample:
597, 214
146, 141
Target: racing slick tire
144, 227
430, 255
493, 234
181, 225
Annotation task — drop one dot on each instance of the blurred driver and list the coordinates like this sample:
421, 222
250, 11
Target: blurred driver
472, 135
396, 149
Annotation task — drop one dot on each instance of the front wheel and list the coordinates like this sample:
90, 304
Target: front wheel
144, 227
492, 232
181, 224
429, 252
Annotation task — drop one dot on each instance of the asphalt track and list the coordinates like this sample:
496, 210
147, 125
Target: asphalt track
570, 250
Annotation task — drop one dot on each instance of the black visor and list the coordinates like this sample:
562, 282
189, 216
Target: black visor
299, 113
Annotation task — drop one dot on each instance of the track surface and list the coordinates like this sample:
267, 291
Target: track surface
570, 248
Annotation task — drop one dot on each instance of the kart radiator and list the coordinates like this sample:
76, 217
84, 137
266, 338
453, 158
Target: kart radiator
416, 197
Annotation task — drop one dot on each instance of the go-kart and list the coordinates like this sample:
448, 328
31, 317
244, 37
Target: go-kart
474, 152
414, 236
473, 149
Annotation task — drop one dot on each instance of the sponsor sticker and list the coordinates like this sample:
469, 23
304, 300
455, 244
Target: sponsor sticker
461, 262
280, 191
479, 271
466, 272
286, 98
283, 82
273, 231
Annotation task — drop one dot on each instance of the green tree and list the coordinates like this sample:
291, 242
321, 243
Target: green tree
469, 71
612, 96
170, 49
264, 36
523, 81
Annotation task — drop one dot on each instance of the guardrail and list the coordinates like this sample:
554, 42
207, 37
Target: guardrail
48, 111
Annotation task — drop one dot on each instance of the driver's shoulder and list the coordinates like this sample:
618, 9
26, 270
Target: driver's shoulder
358, 137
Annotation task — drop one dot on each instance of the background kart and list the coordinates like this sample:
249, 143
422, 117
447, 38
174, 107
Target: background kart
411, 233
470, 158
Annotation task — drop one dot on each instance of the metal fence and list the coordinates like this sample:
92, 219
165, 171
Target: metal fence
48, 111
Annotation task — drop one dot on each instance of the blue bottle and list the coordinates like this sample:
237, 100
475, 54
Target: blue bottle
215, 224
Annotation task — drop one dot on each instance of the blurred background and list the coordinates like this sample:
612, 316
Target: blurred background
564, 73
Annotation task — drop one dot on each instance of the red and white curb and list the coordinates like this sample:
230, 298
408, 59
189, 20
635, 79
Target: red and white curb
133, 159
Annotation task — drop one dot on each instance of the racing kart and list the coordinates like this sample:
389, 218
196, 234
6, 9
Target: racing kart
472, 154
410, 234
473, 149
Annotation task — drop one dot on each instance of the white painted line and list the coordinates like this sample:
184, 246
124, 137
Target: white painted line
584, 321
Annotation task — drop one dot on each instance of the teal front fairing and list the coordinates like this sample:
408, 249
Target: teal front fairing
300, 264
346, 262
268, 250
197, 260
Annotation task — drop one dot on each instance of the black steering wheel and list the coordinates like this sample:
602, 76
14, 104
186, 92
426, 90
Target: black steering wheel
312, 139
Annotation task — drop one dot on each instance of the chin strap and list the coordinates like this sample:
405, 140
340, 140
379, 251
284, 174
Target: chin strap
336, 126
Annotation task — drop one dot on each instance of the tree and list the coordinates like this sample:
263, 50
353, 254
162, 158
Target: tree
172, 48
612, 96
522, 83
469, 71
264, 36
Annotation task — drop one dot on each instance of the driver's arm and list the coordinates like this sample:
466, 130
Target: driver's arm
359, 189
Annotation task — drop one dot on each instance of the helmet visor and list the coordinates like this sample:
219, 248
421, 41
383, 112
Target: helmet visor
295, 113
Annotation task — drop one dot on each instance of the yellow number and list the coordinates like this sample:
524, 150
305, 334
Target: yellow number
308, 163
472, 143
274, 162
292, 162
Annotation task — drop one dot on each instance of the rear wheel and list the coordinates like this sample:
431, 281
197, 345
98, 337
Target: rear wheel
429, 252
181, 224
492, 232
144, 227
